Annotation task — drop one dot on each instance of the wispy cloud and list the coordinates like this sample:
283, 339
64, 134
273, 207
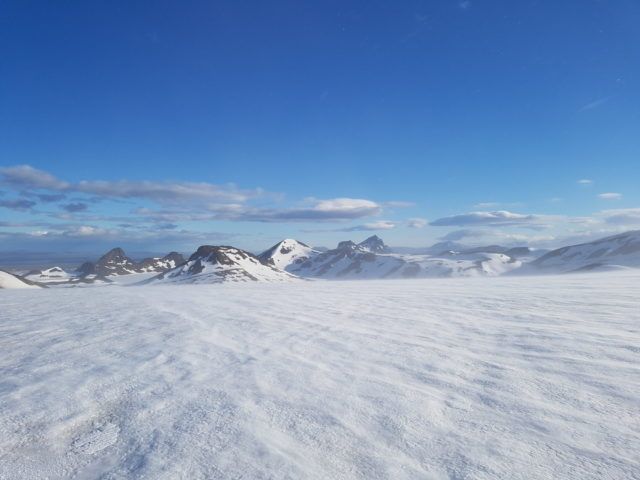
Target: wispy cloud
491, 219
75, 207
322, 210
19, 204
594, 104
610, 196
629, 217
585, 182
187, 201
47, 197
27, 177
370, 227
417, 223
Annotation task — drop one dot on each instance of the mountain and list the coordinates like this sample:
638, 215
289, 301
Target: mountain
9, 280
49, 275
220, 264
621, 250
347, 260
160, 264
374, 244
287, 253
356, 261
116, 262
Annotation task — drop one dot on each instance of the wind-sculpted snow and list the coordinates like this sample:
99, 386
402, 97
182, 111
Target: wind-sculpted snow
492, 378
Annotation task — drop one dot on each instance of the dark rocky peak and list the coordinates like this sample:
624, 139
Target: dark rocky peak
171, 260
346, 245
175, 257
114, 255
218, 254
374, 244
87, 268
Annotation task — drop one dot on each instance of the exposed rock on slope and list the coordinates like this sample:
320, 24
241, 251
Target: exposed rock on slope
116, 262
218, 264
287, 253
49, 275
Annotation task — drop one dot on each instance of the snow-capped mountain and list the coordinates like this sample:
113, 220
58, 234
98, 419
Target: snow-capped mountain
49, 275
160, 264
287, 253
617, 251
218, 264
374, 244
9, 280
458, 265
355, 261
116, 262
347, 260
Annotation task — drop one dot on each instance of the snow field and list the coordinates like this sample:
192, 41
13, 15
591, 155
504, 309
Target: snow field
510, 377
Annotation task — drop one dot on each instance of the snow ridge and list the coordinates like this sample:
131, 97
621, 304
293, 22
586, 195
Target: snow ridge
621, 250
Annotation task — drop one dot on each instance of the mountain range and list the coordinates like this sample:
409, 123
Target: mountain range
291, 260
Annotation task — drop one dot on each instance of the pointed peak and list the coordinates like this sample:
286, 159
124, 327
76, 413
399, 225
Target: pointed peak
114, 253
373, 244
346, 245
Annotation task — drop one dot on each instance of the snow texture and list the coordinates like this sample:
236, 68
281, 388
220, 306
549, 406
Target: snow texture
464, 378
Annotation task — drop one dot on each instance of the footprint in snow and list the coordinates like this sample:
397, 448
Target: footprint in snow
99, 438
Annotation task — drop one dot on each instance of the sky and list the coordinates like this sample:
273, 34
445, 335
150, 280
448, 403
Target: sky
164, 125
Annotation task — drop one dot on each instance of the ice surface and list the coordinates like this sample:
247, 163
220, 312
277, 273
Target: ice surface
519, 378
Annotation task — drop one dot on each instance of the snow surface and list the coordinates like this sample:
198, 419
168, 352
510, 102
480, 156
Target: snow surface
506, 377
8, 280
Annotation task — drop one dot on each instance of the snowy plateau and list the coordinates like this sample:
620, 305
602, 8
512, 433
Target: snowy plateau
516, 377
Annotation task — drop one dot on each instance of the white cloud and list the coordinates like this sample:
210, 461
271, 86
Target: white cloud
196, 201
27, 177
322, 210
369, 227
610, 196
585, 182
493, 236
417, 223
621, 216
491, 219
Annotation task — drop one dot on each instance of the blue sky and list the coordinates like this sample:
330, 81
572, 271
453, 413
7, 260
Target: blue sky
164, 125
